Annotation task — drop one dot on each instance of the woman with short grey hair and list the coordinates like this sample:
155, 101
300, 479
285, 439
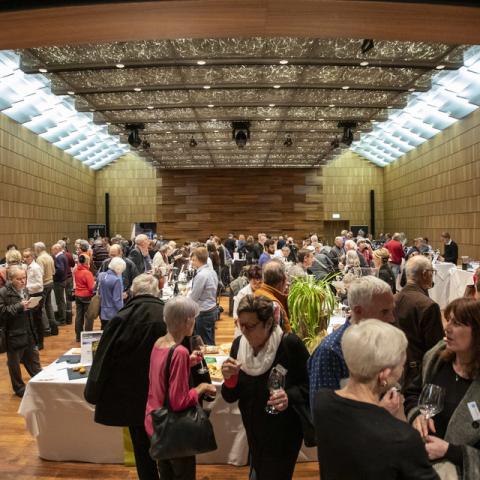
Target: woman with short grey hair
179, 314
110, 287
145, 284
352, 419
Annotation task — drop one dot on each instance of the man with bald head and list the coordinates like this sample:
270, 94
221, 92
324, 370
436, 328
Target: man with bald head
128, 274
417, 314
139, 254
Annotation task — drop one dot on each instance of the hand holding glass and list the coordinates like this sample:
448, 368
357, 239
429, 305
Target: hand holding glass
276, 382
197, 345
431, 400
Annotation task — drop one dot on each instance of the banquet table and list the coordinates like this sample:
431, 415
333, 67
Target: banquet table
61, 421
449, 283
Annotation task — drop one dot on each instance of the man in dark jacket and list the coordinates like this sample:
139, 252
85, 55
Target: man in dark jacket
417, 314
118, 381
451, 249
60, 282
139, 254
15, 317
128, 274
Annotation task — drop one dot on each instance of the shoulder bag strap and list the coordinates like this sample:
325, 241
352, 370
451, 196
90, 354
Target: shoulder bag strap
166, 402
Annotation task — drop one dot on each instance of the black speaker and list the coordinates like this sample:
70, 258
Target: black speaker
107, 214
372, 212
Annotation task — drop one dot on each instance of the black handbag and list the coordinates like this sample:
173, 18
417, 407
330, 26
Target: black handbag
3, 340
179, 434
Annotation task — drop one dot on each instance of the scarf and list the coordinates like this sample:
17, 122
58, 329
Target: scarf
280, 298
257, 365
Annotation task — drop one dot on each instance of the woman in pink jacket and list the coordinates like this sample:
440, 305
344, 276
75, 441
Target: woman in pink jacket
179, 315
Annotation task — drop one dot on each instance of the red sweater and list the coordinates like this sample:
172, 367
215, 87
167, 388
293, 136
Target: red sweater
84, 281
396, 251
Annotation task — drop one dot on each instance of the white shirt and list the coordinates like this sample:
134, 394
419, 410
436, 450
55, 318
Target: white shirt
34, 278
246, 290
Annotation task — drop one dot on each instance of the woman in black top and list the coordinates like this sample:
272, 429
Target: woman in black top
357, 439
274, 439
385, 273
454, 434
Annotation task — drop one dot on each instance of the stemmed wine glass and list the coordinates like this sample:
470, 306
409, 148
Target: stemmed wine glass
431, 400
197, 345
276, 381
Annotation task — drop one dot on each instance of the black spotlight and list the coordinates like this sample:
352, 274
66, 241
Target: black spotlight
134, 137
367, 45
241, 133
288, 141
347, 137
193, 143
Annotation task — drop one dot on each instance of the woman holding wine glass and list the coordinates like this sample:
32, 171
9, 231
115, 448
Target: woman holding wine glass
453, 365
179, 315
267, 373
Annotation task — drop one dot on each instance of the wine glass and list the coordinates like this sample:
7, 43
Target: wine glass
197, 345
276, 381
431, 400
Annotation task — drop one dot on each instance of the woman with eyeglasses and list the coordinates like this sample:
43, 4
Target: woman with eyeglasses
274, 438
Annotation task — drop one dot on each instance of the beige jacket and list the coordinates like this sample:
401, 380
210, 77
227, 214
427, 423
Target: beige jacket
48, 266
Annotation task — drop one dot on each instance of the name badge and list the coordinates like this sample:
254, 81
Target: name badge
474, 411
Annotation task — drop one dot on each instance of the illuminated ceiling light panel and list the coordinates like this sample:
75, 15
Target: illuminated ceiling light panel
454, 95
28, 100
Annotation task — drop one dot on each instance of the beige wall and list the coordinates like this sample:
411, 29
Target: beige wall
347, 182
131, 183
45, 194
436, 187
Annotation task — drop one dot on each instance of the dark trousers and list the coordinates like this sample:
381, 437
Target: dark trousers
205, 326
37, 319
48, 315
146, 466
59, 291
30, 358
82, 304
177, 469
68, 302
274, 467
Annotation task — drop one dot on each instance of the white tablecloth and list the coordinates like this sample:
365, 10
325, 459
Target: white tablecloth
450, 283
61, 421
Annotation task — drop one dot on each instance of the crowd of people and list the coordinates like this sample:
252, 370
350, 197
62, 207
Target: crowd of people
357, 393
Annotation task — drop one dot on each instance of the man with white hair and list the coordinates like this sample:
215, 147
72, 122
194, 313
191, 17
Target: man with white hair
128, 274
337, 252
417, 314
368, 297
139, 254
352, 245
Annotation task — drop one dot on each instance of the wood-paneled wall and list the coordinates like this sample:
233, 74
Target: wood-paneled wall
436, 187
347, 182
191, 204
130, 181
45, 194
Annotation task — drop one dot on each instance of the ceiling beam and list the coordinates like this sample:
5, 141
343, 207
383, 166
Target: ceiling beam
224, 18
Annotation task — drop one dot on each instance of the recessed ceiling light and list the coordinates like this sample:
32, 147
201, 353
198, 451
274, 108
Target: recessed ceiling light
42, 70
215, 131
201, 62
150, 107
109, 123
271, 104
345, 87
206, 87
210, 105
276, 86
411, 89
331, 105
305, 139
217, 140
389, 106
137, 89
312, 131
321, 119
120, 65
92, 109
174, 141
363, 64
264, 130
71, 92
268, 119
168, 131
214, 119
262, 139
440, 67
283, 62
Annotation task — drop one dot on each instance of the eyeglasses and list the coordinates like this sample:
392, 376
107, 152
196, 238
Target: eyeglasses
248, 328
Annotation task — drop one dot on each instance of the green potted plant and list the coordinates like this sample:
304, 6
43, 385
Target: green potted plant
310, 305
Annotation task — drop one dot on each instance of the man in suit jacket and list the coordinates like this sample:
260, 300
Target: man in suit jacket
451, 249
139, 254
417, 314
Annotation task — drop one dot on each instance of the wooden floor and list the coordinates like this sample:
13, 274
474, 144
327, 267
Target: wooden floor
18, 451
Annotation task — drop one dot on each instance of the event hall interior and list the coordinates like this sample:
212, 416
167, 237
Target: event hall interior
208, 117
